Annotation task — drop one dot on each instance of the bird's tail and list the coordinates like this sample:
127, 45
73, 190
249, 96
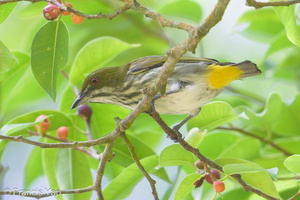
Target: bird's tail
222, 74
249, 68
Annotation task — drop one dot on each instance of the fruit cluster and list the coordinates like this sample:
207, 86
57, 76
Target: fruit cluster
211, 177
84, 111
51, 12
44, 125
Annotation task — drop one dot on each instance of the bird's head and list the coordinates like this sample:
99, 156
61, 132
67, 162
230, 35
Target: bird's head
99, 85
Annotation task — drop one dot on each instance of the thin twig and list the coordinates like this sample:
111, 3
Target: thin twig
106, 156
257, 4
265, 140
201, 157
140, 166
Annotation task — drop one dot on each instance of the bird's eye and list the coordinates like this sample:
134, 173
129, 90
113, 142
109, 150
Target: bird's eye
94, 81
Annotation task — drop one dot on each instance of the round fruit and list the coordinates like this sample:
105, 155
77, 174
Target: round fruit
215, 173
199, 164
77, 19
85, 112
62, 132
198, 182
219, 186
51, 12
66, 12
44, 125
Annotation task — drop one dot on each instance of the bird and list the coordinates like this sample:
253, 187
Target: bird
193, 83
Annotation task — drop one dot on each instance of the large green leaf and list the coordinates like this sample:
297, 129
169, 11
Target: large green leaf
73, 171
128, 179
94, 55
260, 28
49, 54
259, 179
7, 60
182, 9
292, 163
174, 155
288, 18
33, 168
213, 115
186, 186
5, 10
242, 168
49, 167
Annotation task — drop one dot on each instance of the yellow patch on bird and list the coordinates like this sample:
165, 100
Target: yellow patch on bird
221, 76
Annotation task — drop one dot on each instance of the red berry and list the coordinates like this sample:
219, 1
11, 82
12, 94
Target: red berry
62, 132
85, 112
77, 19
66, 12
215, 173
51, 12
43, 126
219, 186
198, 182
199, 164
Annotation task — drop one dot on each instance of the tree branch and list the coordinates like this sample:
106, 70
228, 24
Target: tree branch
140, 166
257, 4
265, 140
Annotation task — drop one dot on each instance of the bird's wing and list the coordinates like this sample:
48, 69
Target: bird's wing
147, 63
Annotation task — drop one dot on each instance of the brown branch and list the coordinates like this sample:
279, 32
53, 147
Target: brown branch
104, 140
201, 157
257, 4
140, 166
294, 196
106, 156
265, 140
38, 195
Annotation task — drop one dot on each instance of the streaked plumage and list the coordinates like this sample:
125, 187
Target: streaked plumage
194, 82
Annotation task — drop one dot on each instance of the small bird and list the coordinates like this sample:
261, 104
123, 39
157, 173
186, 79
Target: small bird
193, 83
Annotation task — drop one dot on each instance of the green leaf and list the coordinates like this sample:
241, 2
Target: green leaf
186, 186
6, 10
260, 28
49, 55
72, 172
182, 9
7, 60
292, 163
289, 118
224, 139
33, 168
49, 166
242, 168
174, 155
288, 18
213, 115
261, 180
94, 55
57, 119
128, 178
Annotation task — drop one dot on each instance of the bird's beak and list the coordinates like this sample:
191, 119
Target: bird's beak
79, 100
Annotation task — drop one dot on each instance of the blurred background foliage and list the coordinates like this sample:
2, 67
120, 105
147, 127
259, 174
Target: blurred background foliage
268, 106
